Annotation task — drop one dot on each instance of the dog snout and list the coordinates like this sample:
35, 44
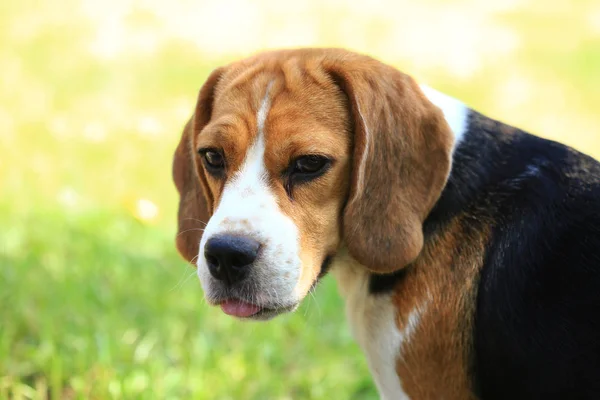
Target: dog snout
230, 257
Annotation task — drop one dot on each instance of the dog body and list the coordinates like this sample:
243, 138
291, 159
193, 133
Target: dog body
468, 251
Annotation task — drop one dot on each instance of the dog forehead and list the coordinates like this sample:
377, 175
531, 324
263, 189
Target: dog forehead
296, 98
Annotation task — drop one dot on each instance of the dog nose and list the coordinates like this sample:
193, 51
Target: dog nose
229, 257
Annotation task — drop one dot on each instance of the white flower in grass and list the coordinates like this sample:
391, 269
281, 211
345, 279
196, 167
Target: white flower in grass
146, 210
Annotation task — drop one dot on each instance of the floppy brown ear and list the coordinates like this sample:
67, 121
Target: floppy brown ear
195, 205
401, 161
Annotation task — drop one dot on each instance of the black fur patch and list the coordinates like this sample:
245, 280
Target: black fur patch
384, 283
325, 265
536, 330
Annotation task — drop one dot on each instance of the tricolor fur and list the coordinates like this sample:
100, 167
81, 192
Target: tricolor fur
468, 251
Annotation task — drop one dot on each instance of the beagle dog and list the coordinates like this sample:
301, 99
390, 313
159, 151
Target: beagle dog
467, 251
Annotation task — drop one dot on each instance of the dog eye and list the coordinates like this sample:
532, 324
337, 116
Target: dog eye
213, 159
304, 169
310, 165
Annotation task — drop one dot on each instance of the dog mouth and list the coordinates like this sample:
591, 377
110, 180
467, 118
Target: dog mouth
246, 310
234, 305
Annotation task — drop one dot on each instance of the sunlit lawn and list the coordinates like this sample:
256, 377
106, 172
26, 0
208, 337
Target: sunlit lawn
98, 305
94, 300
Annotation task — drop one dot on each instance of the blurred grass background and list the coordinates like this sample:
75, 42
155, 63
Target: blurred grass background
94, 301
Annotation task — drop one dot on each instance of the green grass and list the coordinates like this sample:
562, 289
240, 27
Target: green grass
94, 301
98, 305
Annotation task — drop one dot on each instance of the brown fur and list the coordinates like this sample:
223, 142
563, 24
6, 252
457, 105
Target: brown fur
409, 152
308, 115
406, 166
434, 362
340, 104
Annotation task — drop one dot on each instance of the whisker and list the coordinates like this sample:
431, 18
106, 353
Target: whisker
275, 297
272, 295
190, 230
278, 301
307, 308
181, 277
194, 219
312, 294
188, 278
182, 282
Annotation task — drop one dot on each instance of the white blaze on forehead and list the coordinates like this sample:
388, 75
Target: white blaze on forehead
248, 207
261, 116
253, 171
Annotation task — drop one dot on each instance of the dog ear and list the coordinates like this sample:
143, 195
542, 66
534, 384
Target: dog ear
195, 205
401, 162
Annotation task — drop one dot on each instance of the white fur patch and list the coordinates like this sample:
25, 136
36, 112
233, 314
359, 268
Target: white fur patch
455, 112
248, 207
372, 320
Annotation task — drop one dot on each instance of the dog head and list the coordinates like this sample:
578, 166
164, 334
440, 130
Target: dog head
291, 155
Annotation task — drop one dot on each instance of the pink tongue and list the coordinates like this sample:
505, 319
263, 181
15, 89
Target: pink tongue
239, 308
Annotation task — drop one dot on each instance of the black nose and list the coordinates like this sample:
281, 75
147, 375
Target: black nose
229, 256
